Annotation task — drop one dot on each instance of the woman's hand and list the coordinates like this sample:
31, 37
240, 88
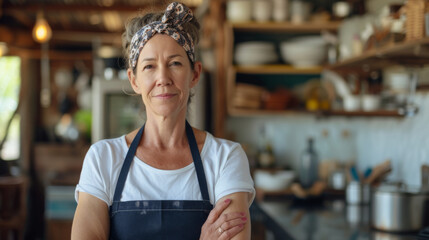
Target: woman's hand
223, 226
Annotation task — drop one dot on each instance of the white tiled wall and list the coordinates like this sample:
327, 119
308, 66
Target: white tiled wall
403, 140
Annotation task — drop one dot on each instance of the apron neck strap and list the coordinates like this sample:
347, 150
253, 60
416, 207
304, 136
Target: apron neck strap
197, 162
195, 156
126, 166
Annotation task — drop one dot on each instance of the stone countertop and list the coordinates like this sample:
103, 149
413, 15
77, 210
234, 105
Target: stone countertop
318, 220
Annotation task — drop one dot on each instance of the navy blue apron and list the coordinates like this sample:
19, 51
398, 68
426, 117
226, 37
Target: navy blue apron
159, 219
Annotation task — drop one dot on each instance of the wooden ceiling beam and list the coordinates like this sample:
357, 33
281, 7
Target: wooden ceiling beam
31, 7
72, 36
16, 38
53, 54
24, 39
23, 18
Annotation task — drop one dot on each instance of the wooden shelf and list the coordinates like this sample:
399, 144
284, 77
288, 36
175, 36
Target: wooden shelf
308, 27
379, 113
414, 52
242, 112
276, 69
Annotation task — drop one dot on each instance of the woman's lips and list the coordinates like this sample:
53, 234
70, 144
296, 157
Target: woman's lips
165, 95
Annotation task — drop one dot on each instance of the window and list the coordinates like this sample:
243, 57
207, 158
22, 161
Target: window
10, 82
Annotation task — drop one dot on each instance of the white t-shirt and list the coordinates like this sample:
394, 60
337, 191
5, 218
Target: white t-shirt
225, 165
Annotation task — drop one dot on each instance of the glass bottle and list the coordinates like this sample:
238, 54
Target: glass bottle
309, 166
266, 155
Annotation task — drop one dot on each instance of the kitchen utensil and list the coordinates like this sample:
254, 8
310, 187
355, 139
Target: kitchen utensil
367, 172
358, 193
399, 208
354, 173
378, 172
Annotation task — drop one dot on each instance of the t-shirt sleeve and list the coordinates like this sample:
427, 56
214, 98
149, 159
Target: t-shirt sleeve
94, 177
235, 175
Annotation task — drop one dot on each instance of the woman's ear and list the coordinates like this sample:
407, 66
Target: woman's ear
133, 80
198, 66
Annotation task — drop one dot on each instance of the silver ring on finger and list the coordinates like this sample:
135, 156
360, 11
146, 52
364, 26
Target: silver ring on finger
220, 230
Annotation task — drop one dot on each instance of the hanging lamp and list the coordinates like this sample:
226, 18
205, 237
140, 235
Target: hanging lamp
42, 31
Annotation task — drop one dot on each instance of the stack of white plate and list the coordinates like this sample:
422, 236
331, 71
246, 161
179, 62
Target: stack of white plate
255, 53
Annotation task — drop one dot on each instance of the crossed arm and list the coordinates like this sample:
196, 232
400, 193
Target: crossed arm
231, 215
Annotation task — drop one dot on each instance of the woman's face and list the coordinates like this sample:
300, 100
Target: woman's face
164, 76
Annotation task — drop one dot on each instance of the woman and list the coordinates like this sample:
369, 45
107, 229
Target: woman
161, 181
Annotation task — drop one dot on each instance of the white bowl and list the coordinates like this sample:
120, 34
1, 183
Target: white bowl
255, 53
276, 181
304, 52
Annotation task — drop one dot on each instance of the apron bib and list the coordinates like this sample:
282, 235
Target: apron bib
159, 219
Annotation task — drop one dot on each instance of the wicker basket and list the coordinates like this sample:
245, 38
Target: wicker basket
415, 24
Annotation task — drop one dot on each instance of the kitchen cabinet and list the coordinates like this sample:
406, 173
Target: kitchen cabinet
268, 73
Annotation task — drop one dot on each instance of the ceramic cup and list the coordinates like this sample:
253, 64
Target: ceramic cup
351, 103
262, 10
280, 10
300, 11
370, 102
239, 10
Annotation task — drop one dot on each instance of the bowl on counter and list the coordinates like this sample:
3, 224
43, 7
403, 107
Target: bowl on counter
273, 180
308, 51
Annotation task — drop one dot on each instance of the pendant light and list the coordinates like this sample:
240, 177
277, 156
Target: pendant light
3, 49
42, 31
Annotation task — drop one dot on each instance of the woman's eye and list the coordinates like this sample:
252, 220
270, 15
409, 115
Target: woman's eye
147, 67
176, 63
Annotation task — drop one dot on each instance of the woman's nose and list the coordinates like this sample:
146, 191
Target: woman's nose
164, 77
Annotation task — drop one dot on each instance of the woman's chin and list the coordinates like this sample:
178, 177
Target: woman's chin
167, 111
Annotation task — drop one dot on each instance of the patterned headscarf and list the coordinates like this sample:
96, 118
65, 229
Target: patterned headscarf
174, 17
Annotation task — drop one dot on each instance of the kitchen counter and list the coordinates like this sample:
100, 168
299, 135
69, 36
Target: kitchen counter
318, 220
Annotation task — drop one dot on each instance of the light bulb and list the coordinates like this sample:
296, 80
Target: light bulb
3, 49
42, 31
